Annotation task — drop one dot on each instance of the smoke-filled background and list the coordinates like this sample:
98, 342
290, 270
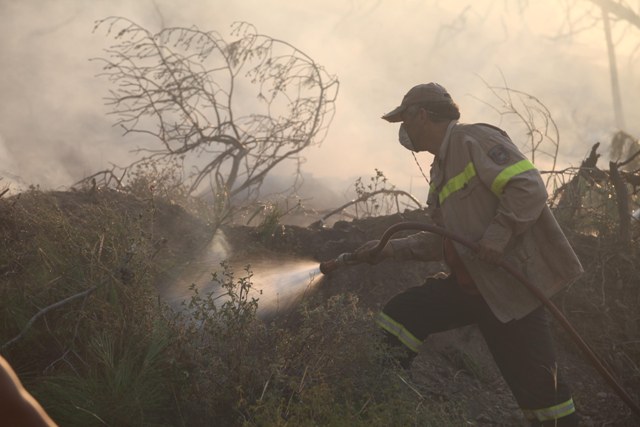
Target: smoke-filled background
54, 128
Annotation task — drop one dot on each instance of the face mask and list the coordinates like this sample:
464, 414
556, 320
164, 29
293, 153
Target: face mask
404, 139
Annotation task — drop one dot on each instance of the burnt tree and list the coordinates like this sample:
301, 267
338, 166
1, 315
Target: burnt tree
228, 110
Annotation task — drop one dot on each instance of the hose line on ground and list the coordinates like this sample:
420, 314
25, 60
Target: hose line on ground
346, 259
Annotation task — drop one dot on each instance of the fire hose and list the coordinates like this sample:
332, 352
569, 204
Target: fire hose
347, 259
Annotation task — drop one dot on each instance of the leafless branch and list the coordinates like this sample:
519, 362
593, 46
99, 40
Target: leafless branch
189, 92
621, 10
540, 127
630, 159
104, 178
368, 196
45, 310
61, 303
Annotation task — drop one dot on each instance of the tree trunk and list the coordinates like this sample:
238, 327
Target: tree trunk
571, 194
613, 69
622, 201
620, 10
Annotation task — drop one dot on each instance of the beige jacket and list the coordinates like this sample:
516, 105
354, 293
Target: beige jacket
484, 187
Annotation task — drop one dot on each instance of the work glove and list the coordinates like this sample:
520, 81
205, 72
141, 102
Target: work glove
436, 216
489, 251
365, 252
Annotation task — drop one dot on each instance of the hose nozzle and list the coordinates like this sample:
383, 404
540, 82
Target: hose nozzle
342, 260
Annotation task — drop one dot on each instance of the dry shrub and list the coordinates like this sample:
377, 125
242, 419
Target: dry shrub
116, 356
321, 365
79, 314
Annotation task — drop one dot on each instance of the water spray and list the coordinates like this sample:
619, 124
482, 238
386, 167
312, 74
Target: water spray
278, 287
348, 259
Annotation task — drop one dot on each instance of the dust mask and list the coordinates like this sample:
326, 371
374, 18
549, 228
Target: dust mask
404, 138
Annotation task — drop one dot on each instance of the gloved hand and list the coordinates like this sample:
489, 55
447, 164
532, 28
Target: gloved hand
365, 252
489, 251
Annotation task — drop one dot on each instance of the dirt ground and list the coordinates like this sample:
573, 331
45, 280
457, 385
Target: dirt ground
453, 366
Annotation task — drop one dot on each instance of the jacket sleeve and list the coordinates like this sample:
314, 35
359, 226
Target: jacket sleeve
422, 246
514, 180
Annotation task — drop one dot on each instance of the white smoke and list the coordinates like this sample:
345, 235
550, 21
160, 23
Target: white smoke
56, 129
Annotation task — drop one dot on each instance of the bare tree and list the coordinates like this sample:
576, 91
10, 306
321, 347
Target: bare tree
611, 15
230, 110
541, 129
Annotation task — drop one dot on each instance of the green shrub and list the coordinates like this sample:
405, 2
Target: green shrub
122, 383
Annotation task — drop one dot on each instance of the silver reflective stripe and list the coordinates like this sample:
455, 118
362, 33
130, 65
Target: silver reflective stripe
396, 329
551, 413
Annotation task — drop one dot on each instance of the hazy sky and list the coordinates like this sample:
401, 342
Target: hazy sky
54, 129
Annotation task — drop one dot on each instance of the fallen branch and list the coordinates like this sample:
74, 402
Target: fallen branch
63, 302
46, 310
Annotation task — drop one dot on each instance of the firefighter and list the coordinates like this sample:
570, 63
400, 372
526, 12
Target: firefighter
483, 188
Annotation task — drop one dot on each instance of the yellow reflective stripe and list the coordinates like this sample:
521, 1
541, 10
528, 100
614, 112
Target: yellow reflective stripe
457, 182
396, 329
508, 173
551, 413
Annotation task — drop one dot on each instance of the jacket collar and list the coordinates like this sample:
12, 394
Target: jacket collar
437, 172
444, 147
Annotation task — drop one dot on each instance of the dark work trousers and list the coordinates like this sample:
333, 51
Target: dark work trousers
523, 349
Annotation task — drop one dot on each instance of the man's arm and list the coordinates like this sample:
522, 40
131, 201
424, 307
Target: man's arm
519, 188
17, 407
423, 246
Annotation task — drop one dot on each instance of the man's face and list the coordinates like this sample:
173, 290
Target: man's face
420, 129
413, 122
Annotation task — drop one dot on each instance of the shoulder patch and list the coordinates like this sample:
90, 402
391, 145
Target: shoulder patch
499, 155
502, 132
